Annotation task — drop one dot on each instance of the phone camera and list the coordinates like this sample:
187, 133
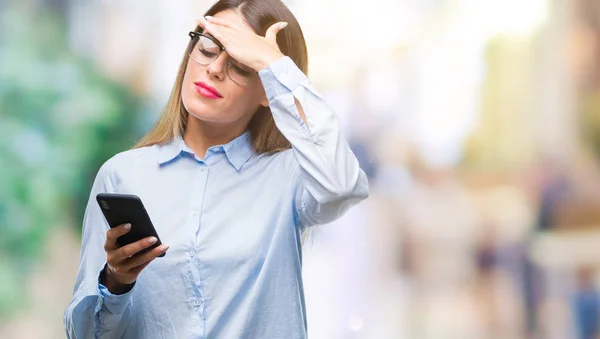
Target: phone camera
104, 205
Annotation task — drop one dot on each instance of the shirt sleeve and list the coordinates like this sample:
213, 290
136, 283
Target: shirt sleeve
330, 180
94, 312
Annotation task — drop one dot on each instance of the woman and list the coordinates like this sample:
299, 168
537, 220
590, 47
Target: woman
224, 189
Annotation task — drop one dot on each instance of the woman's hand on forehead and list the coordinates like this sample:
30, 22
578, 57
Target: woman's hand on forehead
242, 43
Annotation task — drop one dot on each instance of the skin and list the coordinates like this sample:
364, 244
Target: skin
210, 122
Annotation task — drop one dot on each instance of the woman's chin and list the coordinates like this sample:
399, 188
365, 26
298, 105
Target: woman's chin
205, 116
202, 112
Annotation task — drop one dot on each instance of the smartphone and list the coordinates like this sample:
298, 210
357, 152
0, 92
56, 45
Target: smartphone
121, 209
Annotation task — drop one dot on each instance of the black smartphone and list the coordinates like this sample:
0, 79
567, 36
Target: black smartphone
121, 209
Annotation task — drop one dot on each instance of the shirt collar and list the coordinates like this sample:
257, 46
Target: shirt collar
238, 151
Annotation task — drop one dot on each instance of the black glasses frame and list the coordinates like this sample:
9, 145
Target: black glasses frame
196, 36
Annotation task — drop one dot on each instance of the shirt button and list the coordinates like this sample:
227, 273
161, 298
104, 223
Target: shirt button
191, 252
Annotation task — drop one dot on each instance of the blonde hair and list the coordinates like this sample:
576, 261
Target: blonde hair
260, 15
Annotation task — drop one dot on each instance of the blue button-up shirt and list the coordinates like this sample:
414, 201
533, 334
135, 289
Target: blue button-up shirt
234, 221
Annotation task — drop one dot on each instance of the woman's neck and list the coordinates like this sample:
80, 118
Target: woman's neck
201, 135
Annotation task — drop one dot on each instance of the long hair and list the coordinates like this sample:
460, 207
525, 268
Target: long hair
260, 15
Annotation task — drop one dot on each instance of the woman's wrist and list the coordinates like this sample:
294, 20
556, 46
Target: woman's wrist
111, 283
266, 60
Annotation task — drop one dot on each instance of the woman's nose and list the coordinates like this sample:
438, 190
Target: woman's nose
218, 67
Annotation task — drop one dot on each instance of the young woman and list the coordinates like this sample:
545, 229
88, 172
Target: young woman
245, 158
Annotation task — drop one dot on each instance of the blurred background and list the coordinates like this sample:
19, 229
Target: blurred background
477, 122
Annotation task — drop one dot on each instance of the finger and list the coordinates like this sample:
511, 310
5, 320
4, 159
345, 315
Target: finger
213, 30
144, 258
136, 270
271, 33
114, 233
130, 250
206, 24
202, 22
220, 22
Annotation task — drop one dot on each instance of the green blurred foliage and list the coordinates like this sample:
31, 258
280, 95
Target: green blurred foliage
60, 119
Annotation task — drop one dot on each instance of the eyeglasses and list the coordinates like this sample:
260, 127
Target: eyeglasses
207, 49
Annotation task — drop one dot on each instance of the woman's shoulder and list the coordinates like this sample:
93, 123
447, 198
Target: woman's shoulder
131, 156
124, 164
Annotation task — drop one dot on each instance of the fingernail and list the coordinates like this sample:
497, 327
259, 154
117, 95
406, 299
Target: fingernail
152, 240
201, 18
208, 17
127, 226
283, 25
164, 247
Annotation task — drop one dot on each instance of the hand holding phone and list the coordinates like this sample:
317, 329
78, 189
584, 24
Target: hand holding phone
131, 242
124, 263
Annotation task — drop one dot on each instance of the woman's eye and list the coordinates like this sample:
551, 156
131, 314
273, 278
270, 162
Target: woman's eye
207, 53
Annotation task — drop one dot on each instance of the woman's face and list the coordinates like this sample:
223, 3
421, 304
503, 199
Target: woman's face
235, 103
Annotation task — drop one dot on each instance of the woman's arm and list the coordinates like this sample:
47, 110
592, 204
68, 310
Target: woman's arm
94, 312
330, 180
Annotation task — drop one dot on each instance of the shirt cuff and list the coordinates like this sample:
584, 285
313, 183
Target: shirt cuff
114, 303
281, 76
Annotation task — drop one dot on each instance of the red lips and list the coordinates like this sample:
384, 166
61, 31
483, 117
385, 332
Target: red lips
207, 90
